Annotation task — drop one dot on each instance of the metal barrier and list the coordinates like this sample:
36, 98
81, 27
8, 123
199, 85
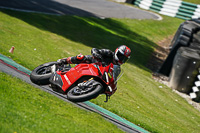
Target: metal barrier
173, 8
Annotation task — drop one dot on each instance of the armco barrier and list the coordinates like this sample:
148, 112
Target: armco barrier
173, 8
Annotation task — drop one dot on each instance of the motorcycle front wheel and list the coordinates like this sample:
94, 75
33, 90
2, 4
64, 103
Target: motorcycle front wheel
79, 95
41, 74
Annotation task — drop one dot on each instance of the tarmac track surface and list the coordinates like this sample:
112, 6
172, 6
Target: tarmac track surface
86, 8
122, 124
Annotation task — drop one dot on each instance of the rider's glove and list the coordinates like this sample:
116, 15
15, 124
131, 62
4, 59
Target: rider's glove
59, 61
62, 61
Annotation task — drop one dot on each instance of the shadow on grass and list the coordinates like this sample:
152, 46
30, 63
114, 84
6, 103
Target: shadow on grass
93, 32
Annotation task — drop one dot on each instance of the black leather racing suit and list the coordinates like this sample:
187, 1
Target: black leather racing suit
106, 56
103, 55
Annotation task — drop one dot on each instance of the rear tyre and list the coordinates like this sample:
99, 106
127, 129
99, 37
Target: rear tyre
91, 93
41, 74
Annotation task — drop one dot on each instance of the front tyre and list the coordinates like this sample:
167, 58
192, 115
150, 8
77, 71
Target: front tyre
41, 74
81, 94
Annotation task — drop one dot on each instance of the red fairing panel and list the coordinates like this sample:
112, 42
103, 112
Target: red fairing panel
76, 73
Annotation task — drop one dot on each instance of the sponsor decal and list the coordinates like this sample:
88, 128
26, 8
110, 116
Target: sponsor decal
109, 74
67, 79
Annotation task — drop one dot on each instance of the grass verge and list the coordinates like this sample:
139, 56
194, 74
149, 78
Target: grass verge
25, 109
193, 1
139, 99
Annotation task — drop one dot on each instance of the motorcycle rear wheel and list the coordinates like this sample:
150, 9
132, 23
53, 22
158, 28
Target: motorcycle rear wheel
85, 96
41, 74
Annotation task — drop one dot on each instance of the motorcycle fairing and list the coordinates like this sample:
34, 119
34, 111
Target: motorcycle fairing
74, 74
55, 79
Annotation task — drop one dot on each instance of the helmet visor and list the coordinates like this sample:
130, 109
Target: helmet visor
122, 57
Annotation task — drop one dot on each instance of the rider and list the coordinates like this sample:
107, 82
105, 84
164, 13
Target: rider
119, 57
106, 56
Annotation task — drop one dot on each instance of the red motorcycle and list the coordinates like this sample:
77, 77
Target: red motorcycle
80, 83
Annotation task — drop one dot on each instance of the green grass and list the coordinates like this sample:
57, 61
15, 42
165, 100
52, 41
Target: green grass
193, 1
55, 37
139, 98
25, 109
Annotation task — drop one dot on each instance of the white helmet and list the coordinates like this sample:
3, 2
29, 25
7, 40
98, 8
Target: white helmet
122, 54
